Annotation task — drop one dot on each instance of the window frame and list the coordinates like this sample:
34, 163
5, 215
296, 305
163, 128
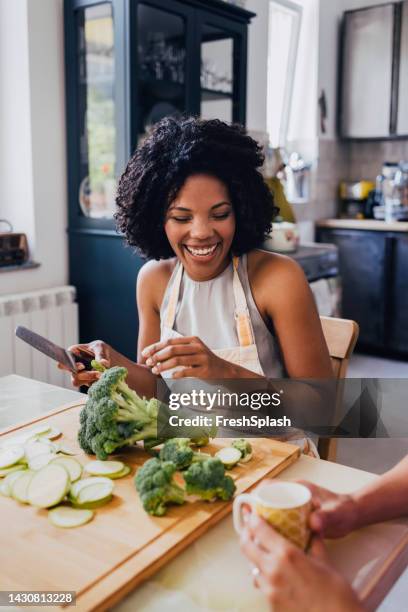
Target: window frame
297, 11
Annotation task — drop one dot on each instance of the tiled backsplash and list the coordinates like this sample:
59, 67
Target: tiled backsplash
366, 158
349, 161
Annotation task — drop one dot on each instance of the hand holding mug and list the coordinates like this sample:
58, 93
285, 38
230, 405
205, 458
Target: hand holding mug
290, 580
284, 505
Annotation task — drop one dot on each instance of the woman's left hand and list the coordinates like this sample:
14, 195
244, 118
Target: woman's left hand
191, 353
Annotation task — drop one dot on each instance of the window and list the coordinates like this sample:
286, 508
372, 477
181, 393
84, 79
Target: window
283, 41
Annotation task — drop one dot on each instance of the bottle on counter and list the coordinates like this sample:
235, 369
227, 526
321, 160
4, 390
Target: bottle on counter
390, 191
375, 198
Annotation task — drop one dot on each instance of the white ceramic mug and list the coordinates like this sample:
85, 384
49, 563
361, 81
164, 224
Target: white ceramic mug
285, 505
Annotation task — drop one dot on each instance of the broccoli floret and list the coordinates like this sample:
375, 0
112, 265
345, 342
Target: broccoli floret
203, 441
208, 480
244, 448
115, 416
155, 485
179, 451
98, 366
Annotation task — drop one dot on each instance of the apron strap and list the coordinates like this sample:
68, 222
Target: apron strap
243, 322
170, 314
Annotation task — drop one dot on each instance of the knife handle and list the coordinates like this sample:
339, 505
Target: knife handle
86, 361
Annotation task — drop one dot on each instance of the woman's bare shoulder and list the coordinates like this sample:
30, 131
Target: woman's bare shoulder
273, 269
153, 278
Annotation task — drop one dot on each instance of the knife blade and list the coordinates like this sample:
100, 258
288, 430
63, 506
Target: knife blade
50, 349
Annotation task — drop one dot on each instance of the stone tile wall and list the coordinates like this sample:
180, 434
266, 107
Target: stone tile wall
350, 161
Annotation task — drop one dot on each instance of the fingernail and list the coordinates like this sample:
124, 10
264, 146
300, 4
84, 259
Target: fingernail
145, 351
155, 370
149, 361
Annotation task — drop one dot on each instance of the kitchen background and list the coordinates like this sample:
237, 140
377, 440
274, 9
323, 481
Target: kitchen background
323, 84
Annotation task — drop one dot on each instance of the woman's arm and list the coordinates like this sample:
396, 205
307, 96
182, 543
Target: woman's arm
383, 499
151, 283
283, 296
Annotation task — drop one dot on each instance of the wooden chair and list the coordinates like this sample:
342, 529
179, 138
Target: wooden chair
341, 337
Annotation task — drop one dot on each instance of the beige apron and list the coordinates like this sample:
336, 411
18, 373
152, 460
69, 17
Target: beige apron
244, 355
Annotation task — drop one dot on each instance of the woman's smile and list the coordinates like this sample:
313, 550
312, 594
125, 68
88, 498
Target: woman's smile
203, 253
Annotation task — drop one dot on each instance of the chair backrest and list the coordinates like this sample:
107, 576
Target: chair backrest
341, 337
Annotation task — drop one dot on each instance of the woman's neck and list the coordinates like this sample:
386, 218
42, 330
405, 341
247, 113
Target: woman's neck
210, 275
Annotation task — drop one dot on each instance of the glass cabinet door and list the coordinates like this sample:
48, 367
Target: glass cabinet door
217, 73
96, 102
161, 65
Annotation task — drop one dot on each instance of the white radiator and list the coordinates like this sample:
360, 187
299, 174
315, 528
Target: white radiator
52, 313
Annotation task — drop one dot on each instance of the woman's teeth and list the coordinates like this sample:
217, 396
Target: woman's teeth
201, 252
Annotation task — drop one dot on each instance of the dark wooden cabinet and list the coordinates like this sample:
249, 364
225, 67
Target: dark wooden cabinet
128, 64
373, 267
398, 303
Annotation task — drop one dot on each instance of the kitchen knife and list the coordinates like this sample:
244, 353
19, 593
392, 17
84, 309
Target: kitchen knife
52, 350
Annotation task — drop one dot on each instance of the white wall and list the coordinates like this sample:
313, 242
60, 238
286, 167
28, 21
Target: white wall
32, 144
330, 17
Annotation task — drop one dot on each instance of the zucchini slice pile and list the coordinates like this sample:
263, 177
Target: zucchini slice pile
37, 471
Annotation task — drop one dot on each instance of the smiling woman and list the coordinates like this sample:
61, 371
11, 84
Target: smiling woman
210, 303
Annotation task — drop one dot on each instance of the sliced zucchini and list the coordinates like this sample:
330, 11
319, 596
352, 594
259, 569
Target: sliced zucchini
39, 461
48, 486
66, 450
19, 488
18, 440
229, 456
91, 505
67, 517
40, 429
8, 482
104, 468
86, 482
4, 489
126, 470
18, 467
73, 467
53, 432
10, 456
95, 493
32, 449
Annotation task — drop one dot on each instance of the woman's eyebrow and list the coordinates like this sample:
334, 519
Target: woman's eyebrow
189, 209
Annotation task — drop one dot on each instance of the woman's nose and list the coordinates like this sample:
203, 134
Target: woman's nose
201, 229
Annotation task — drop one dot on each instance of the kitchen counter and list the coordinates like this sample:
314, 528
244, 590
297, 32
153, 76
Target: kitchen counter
212, 574
364, 224
317, 260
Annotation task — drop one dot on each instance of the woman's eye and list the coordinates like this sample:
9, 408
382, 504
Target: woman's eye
181, 219
223, 216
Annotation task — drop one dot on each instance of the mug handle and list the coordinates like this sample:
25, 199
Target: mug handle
244, 498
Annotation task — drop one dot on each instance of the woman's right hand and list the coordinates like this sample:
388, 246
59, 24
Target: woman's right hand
334, 515
97, 349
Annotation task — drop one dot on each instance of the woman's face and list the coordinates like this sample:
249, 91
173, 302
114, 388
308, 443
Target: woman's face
200, 226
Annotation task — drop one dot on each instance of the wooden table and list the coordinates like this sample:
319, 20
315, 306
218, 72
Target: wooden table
212, 574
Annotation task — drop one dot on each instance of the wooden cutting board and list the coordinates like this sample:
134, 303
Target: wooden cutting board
122, 546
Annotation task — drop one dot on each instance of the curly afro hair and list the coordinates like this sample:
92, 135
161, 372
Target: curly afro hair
177, 148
